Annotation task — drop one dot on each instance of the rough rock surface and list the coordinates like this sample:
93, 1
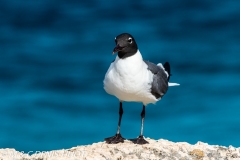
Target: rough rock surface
155, 150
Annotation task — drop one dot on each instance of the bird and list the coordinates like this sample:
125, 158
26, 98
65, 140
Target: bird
132, 79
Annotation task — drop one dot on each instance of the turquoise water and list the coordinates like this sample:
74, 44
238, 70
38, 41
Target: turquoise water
54, 55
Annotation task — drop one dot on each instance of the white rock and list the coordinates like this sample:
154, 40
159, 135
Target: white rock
160, 149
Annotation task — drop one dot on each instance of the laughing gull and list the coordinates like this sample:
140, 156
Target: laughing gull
130, 78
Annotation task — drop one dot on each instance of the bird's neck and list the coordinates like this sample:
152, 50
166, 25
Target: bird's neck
135, 58
123, 55
131, 65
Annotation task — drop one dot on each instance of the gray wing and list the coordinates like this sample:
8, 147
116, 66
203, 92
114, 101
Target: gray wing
160, 80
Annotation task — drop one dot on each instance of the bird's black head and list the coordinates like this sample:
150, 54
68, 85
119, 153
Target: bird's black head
125, 45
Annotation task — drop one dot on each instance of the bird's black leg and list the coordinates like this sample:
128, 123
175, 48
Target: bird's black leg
118, 137
140, 139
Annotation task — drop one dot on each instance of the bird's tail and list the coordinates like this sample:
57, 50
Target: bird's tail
173, 84
167, 69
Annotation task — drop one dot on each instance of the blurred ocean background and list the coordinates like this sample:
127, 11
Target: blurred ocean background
54, 56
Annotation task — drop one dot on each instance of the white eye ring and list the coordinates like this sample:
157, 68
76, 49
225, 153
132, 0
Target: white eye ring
130, 40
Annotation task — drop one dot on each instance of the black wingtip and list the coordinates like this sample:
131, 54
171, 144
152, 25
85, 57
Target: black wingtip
167, 68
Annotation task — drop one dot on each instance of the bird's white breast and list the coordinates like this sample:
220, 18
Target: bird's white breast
129, 80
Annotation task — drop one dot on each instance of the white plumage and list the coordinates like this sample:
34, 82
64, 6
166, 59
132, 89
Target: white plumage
130, 80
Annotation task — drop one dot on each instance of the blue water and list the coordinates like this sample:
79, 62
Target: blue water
54, 55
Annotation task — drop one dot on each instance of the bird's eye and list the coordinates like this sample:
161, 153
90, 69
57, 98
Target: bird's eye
130, 40
115, 40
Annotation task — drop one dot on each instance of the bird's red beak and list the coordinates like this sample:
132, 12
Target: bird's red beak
117, 49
